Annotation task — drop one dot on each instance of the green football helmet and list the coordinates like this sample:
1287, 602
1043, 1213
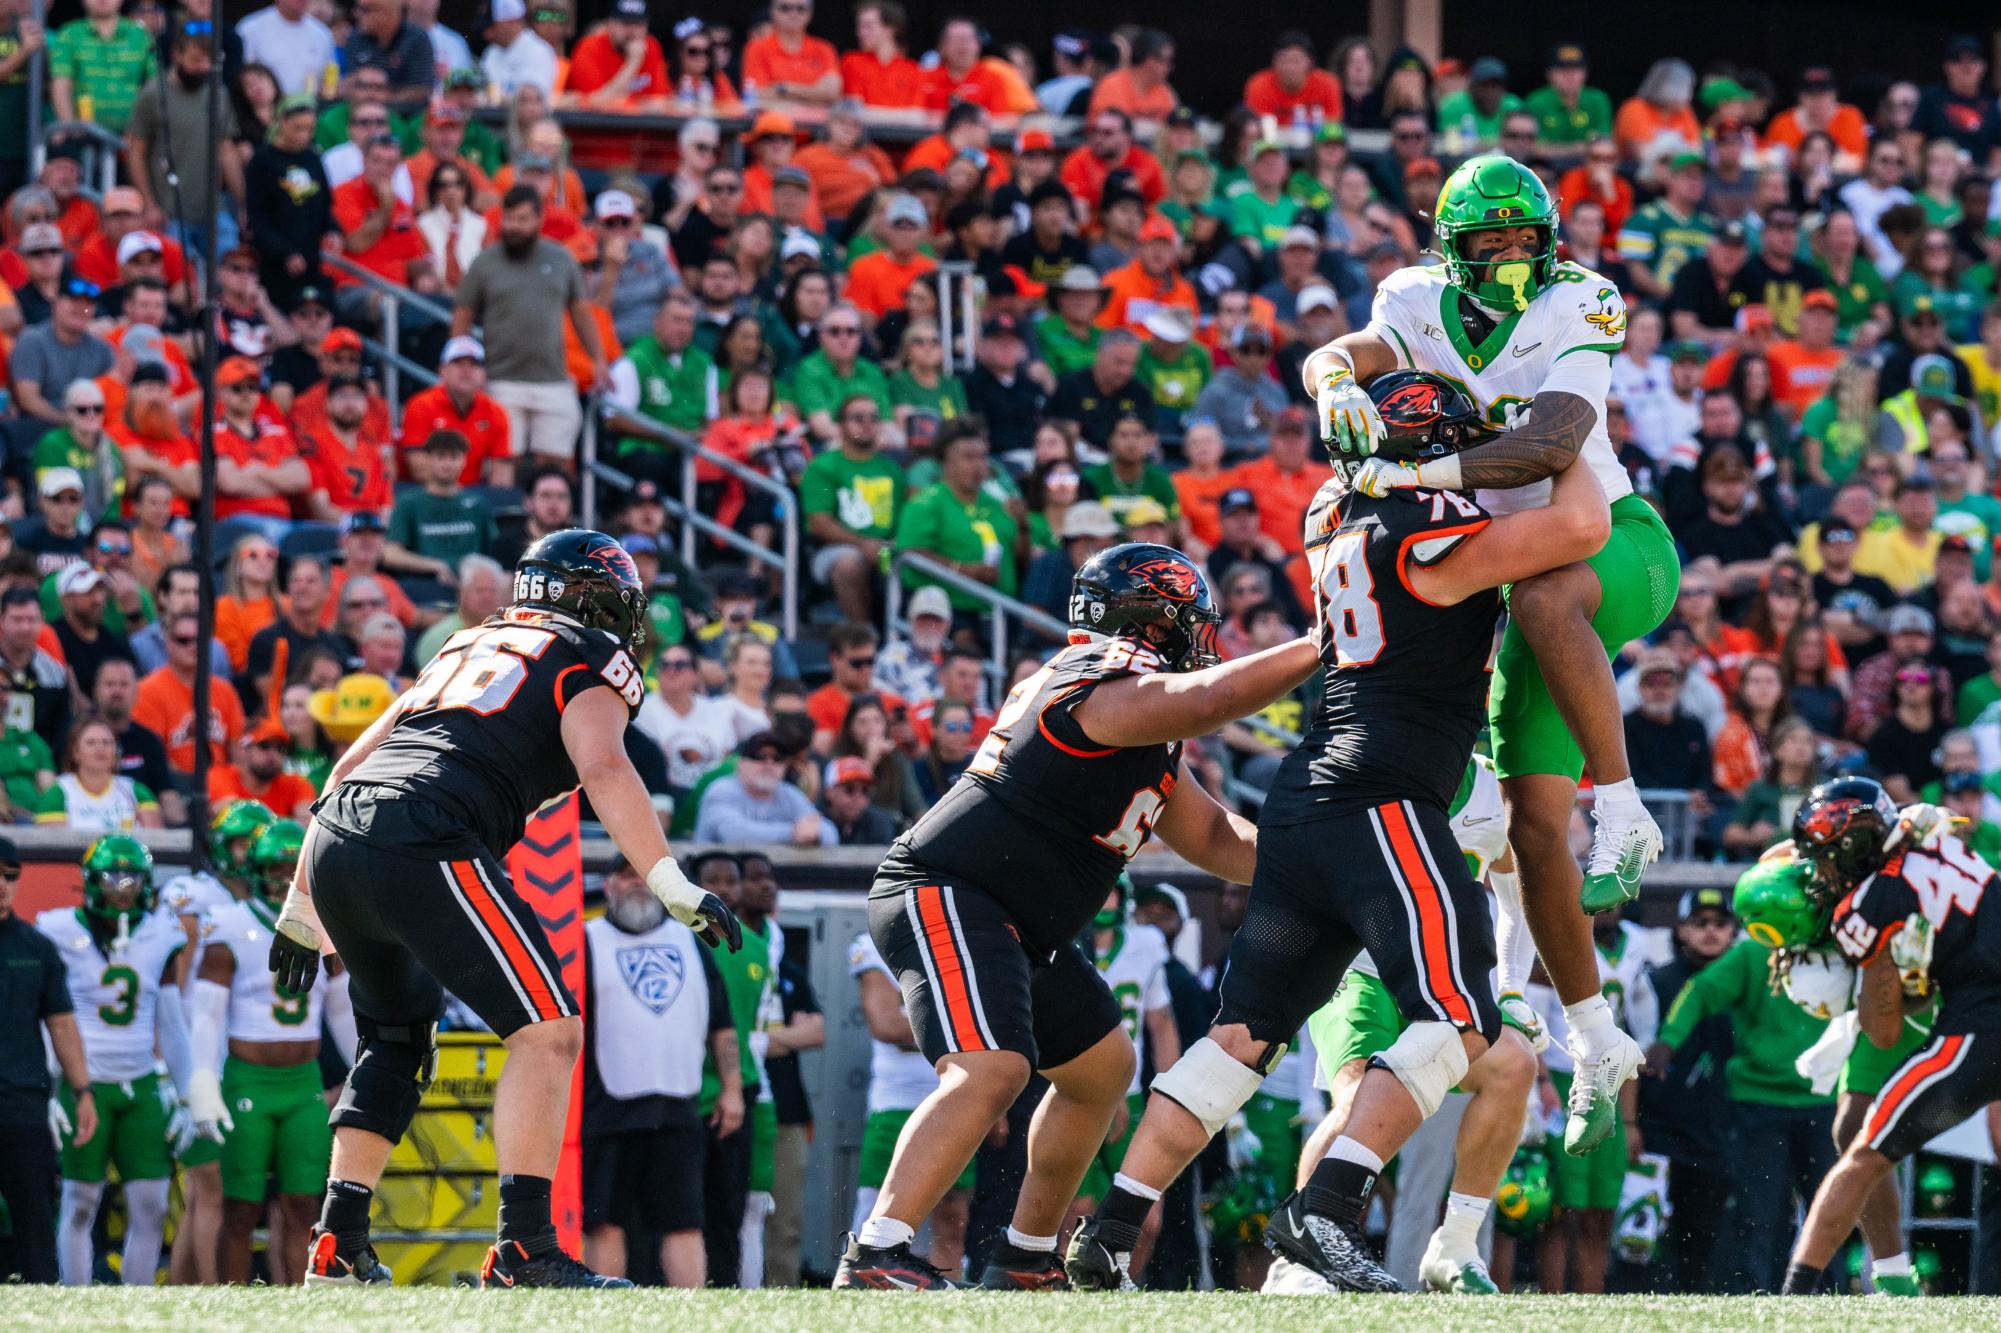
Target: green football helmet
1495, 191
1242, 1206
1111, 918
1775, 902
273, 857
118, 879
1526, 1198
1936, 1187
239, 821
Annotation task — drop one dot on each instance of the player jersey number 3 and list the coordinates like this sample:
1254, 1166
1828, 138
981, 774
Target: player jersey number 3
485, 675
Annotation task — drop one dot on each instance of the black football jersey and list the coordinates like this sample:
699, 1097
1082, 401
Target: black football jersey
1405, 686
1946, 884
1045, 818
481, 732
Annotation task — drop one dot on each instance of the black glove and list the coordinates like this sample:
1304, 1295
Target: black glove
294, 965
718, 924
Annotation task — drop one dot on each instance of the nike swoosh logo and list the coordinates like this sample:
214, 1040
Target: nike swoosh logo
1477, 819
1524, 351
899, 1282
1297, 1230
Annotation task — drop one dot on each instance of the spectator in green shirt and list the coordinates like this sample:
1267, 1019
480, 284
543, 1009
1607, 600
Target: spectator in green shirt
1261, 213
1471, 117
1976, 696
1962, 512
366, 83
1068, 334
431, 530
850, 496
1662, 236
97, 64
1130, 474
924, 394
1173, 367
957, 522
82, 443
1568, 113
822, 381
1965, 794
665, 377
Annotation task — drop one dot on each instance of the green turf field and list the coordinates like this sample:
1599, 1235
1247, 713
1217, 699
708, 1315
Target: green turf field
435, 1310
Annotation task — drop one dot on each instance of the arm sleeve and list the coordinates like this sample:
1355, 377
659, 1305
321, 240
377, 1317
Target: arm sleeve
1708, 992
340, 1015
1514, 946
175, 1049
208, 1038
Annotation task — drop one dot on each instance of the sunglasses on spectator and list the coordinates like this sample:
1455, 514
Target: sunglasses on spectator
724, 187
42, 252
67, 498
702, 50
857, 663
924, 340
1411, 136
87, 409
863, 418
1655, 679
617, 224
10, 873
368, 122
108, 547
842, 331
367, 603
677, 664
1698, 591
955, 727
183, 640
1709, 921
384, 141
763, 757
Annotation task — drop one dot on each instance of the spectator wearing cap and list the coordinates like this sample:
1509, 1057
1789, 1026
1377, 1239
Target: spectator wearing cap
959, 522
1875, 192
908, 665
287, 39
338, 357
258, 774
365, 555
1316, 320
345, 453
122, 212
851, 496
166, 704
1150, 281
1108, 147
49, 357
755, 804
619, 62
249, 323
847, 799
1088, 527
459, 403
1909, 633
1261, 214
97, 64
516, 285
790, 64
635, 274
169, 135
1097, 396
772, 139
1243, 399
444, 140
1004, 389
877, 281
1705, 296
1935, 383
1079, 58
128, 604
1569, 112
1291, 82
82, 445
259, 474
1805, 365
378, 227
1067, 336
382, 39
1298, 269
516, 55
1960, 106
40, 246
1470, 117
431, 530
1820, 110
1660, 237
1173, 367
84, 594
1140, 90
1285, 478
1972, 515
55, 535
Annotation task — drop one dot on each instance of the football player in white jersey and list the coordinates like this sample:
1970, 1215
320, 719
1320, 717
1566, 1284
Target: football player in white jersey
191, 898
899, 1079
121, 958
256, 1078
1520, 330
1362, 1020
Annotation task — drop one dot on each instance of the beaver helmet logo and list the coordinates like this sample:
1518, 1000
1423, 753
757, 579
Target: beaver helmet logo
1413, 406
616, 561
1170, 578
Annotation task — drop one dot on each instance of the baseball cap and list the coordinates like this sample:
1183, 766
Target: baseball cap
1001, 326
615, 204
1733, 232
77, 578
47, 236
1715, 92
1565, 55
1817, 79
1234, 499
462, 348
760, 745
790, 175
645, 491
1705, 900
1146, 509
798, 244
1687, 349
1182, 115
143, 342
1332, 131
907, 208
1299, 236
1754, 318
362, 520
440, 113
848, 768
633, 11
148, 372
1088, 518
1932, 376
1034, 141
335, 383
851, 107
1158, 227
1315, 296
930, 600
1685, 159
10, 855
133, 243
465, 76
1908, 619
1660, 659
1819, 299
1163, 892
1079, 278
1963, 784
310, 295
506, 11
1956, 544
59, 479
1170, 323
1488, 69
1292, 418
341, 340
639, 543
770, 123
236, 370
1964, 46
1422, 166
268, 730
1919, 305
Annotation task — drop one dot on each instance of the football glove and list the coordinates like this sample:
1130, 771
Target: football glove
59, 1125
1378, 477
1822, 983
1348, 417
704, 913
206, 1106
295, 945
1239, 1144
180, 1128
1520, 1015
1911, 955
1922, 825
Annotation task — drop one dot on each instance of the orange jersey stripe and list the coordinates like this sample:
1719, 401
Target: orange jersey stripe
1894, 1096
512, 945
952, 979
1430, 902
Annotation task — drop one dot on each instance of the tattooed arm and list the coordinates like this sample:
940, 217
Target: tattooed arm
1544, 446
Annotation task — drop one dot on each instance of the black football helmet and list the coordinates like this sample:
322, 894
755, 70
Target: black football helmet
1150, 593
1425, 416
1841, 829
586, 576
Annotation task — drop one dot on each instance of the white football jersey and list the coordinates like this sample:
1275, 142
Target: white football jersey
196, 893
116, 990
897, 1079
1135, 967
1564, 341
256, 1011
1634, 1007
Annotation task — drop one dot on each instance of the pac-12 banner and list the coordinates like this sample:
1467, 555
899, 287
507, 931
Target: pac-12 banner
547, 867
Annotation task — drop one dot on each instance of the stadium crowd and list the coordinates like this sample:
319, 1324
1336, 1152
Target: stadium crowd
1809, 390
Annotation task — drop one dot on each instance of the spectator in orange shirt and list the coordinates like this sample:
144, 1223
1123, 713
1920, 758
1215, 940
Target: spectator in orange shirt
1597, 178
1108, 146
772, 139
851, 654
877, 281
459, 402
960, 75
1820, 110
378, 230
1660, 108
97, 257
879, 73
537, 171
578, 361
347, 458
1292, 82
1140, 89
339, 354
62, 176
790, 64
1803, 366
1285, 479
259, 774
444, 141
364, 549
619, 63
563, 187
846, 165
258, 470
1150, 281
966, 128
166, 704
1200, 486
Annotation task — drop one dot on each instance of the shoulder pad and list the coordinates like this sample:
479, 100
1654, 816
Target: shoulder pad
1109, 659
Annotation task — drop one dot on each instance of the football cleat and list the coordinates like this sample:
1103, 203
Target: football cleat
1460, 1274
1100, 1256
1010, 1268
1326, 1247
1900, 1284
337, 1259
1622, 847
889, 1268
510, 1263
1286, 1278
1594, 1093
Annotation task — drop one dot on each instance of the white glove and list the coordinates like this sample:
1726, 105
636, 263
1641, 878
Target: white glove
1821, 1063
206, 1106
702, 912
1348, 417
1239, 1143
1822, 983
1518, 1013
59, 1125
180, 1128
1911, 954
1378, 477
1922, 825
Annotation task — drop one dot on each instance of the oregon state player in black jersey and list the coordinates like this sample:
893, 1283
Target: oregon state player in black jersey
1914, 908
978, 907
401, 876
1355, 849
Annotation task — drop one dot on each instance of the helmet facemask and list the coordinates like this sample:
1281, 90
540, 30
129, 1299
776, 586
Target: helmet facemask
1502, 284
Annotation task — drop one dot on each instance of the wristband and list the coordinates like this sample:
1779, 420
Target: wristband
671, 887
1441, 474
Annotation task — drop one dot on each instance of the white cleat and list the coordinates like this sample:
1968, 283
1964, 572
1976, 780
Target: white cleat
1451, 1270
1623, 845
1286, 1278
1594, 1092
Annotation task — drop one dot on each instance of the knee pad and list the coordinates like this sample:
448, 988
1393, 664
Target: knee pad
1428, 1059
1211, 1084
1268, 1028
392, 1067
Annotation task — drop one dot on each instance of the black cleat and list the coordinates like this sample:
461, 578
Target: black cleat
1010, 1268
343, 1259
889, 1268
541, 1262
1100, 1256
1326, 1247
